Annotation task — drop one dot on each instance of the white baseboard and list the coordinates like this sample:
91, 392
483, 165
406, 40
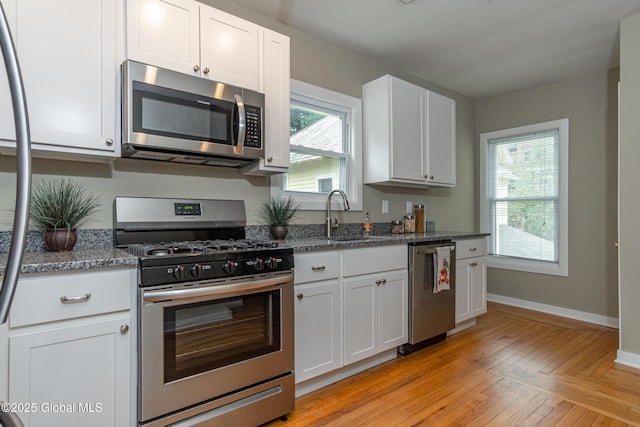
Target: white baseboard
598, 319
629, 359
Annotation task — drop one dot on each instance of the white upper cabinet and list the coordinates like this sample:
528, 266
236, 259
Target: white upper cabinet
409, 135
189, 37
68, 55
229, 49
165, 33
440, 158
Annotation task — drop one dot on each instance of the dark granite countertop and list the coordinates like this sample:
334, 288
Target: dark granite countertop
43, 262
314, 244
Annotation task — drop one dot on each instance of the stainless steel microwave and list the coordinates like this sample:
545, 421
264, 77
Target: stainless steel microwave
172, 116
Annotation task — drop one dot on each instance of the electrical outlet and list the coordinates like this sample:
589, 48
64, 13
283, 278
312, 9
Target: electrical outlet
385, 206
409, 206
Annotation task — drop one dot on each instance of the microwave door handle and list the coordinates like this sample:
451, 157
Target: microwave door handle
242, 125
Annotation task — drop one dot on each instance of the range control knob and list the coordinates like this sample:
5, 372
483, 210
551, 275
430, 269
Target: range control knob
178, 272
230, 267
258, 264
196, 270
272, 262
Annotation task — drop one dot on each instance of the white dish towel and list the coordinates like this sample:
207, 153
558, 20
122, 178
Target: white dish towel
442, 272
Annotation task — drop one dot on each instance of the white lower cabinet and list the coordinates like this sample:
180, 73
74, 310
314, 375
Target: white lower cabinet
375, 314
318, 332
70, 348
471, 279
350, 305
74, 375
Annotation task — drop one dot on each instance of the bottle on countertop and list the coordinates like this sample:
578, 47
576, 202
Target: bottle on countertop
367, 227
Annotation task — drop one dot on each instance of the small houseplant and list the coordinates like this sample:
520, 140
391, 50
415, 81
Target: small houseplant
278, 212
58, 206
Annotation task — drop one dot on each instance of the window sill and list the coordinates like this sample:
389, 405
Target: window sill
539, 267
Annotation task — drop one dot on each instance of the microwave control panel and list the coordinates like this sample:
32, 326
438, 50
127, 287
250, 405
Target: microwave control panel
254, 127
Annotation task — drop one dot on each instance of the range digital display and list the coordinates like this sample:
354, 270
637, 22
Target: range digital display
187, 209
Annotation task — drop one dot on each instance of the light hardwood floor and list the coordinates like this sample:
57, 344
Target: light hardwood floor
515, 367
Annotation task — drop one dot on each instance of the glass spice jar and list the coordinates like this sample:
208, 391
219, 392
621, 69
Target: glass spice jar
397, 227
409, 224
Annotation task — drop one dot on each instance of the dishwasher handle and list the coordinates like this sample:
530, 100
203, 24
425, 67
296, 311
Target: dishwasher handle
432, 250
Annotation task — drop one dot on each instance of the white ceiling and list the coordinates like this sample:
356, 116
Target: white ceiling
475, 47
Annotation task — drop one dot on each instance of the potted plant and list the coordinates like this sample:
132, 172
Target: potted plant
277, 212
58, 206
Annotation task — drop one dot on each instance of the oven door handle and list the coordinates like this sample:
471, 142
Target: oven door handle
177, 294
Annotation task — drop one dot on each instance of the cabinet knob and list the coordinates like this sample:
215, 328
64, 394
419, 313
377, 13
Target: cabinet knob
381, 282
300, 296
473, 249
206, 70
124, 329
269, 159
196, 68
321, 268
473, 264
109, 142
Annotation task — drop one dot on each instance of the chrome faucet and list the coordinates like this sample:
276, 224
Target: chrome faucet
331, 224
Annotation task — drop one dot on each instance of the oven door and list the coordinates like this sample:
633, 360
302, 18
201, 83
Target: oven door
201, 340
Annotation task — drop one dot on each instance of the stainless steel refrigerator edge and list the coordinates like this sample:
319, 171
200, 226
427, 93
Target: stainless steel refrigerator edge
431, 314
23, 190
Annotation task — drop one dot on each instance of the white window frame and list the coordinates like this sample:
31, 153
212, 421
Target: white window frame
560, 268
316, 95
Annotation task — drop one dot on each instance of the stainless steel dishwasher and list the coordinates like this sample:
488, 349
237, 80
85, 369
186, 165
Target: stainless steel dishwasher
431, 314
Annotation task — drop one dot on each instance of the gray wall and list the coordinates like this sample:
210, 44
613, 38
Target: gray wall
629, 200
314, 61
590, 104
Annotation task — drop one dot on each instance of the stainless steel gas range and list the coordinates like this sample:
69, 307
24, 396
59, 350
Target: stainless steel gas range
215, 313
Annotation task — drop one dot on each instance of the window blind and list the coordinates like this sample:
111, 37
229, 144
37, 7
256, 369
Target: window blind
523, 195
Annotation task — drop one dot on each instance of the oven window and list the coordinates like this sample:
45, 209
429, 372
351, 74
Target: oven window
204, 336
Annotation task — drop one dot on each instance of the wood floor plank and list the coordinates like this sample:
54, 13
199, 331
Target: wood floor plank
516, 367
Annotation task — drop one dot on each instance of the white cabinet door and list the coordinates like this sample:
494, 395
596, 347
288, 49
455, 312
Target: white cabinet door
478, 285
318, 332
407, 118
392, 309
471, 288
67, 53
375, 315
230, 49
360, 319
277, 95
463, 290
440, 140
164, 33
83, 369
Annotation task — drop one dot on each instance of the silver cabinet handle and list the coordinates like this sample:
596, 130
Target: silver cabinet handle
269, 159
381, 282
71, 300
473, 249
321, 268
124, 329
473, 264
206, 70
300, 296
196, 68
109, 142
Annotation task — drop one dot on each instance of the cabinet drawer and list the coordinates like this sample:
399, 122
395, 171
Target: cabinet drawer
39, 299
316, 266
471, 248
373, 260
